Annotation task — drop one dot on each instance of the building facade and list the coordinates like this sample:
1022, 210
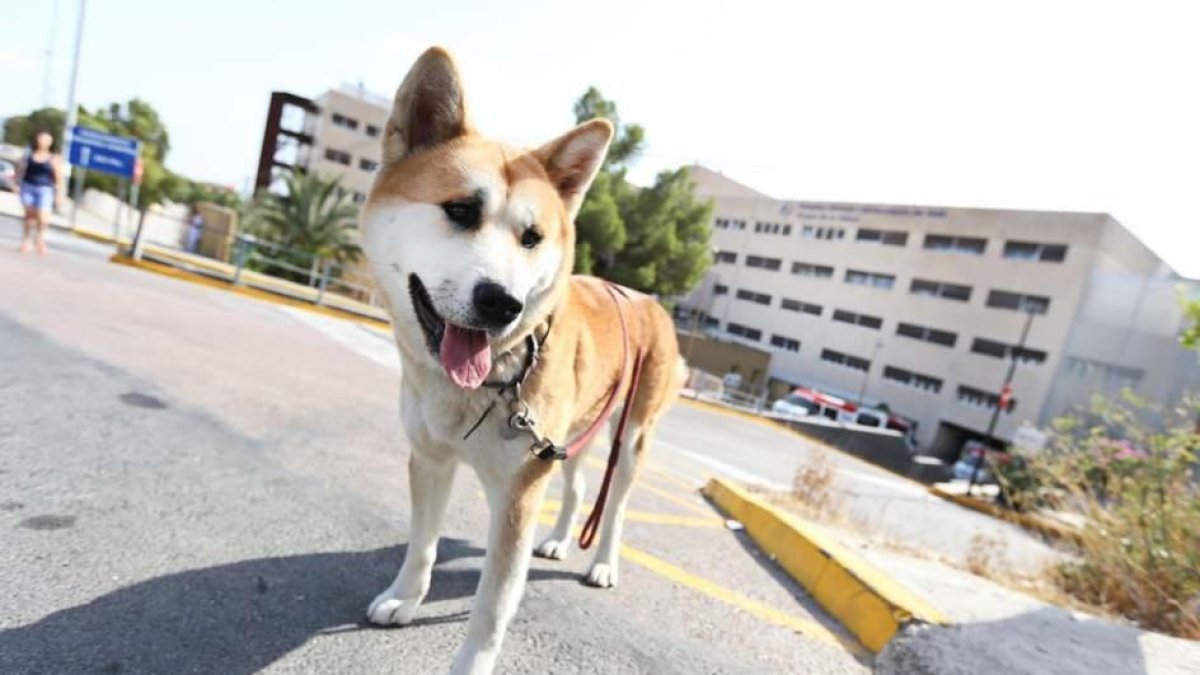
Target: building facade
924, 308
338, 134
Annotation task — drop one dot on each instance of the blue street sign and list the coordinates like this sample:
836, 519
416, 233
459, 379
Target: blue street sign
96, 150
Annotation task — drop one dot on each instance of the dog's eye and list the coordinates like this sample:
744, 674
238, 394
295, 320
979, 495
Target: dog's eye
531, 237
465, 213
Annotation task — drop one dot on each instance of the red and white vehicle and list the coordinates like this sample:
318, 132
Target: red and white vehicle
806, 402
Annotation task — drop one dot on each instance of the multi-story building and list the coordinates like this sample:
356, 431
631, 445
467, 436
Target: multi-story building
924, 308
338, 134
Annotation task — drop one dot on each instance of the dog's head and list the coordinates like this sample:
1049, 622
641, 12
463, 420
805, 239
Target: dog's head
471, 241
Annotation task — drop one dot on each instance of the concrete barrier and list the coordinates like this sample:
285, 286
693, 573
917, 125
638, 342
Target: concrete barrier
882, 447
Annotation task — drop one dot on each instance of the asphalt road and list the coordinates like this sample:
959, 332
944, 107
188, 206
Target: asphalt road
193, 481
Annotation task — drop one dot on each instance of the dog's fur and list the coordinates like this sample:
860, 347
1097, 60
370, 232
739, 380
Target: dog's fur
431, 156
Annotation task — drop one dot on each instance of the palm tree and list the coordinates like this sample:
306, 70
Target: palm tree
312, 222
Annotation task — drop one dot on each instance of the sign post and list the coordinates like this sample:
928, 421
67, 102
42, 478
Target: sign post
118, 155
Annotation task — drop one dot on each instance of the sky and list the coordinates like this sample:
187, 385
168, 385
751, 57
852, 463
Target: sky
1050, 105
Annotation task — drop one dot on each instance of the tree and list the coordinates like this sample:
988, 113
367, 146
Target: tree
653, 239
1191, 331
311, 222
20, 129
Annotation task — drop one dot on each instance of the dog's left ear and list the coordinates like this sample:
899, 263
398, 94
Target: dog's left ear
572, 160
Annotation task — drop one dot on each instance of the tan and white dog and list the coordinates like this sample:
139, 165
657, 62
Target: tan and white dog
472, 243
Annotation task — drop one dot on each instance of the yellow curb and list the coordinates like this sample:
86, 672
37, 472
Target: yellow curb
200, 279
1040, 525
868, 603
780, 426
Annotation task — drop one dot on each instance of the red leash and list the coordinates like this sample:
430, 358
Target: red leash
593, 520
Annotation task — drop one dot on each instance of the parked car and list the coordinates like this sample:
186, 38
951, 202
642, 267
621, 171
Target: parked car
8, 176
804, 402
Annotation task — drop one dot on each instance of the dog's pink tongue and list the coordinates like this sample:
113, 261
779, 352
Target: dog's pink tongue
466, 356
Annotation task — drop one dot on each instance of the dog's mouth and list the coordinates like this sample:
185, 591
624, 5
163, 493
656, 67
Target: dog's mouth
464, 353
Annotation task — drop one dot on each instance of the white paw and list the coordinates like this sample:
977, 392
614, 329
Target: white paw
388, 610
602, 575
554, 549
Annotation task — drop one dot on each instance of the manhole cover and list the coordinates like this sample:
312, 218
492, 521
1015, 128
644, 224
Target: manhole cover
141, 400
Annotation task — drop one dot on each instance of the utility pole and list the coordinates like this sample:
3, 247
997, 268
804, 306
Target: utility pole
696, 315
72, 115
1005, 392
49, 55
862, 391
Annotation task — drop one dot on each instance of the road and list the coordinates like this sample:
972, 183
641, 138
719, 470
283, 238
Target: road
193, 481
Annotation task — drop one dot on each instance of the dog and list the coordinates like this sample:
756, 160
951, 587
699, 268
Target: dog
506, 355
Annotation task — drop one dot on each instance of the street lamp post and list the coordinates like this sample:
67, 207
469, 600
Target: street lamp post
72, 113
862, 390
1005, 393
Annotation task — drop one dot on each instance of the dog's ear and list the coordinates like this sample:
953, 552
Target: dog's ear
430, 107
572, 160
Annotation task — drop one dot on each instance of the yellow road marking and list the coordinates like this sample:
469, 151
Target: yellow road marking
553, 506
692, 506
714, 590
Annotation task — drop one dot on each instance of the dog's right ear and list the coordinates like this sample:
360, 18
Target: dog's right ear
430, 107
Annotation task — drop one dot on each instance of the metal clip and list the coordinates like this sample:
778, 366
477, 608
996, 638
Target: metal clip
545, 449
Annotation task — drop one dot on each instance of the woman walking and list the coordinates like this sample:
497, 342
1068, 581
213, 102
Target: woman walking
39, 178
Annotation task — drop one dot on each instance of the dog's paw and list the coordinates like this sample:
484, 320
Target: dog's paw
553, 549
388, 610
602, 575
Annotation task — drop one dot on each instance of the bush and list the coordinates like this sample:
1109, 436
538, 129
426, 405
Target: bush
1135, 485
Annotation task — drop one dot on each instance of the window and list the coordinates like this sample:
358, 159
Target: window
940, 289
908, 378
726, 257
886, 237
743, 331
1114, 376
829, 233
938, 337
360, 198
864, 320
1029, 250
798, 306
784, 342
810, 270
1037, 304
721, 223
372, 130
772, 264
872, 279
340, 120
979, 398
787, 229
846, 360
760, 298
945, 242
1000, 350
711, 322
720, 289
367, 164
337, 156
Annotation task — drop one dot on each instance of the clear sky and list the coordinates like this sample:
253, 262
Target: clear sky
1081, 106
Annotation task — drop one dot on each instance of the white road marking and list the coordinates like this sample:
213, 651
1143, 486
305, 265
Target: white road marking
372, 343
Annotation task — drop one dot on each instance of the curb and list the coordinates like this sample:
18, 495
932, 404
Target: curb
199, 279
868, 603
1042, 526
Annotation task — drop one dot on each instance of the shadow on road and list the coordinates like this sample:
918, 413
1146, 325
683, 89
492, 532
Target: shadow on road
233, 618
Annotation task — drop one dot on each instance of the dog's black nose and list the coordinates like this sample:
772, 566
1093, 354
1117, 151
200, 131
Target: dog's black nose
493, 305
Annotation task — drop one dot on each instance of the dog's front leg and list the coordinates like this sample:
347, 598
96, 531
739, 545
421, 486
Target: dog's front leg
429, 477
514, 499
